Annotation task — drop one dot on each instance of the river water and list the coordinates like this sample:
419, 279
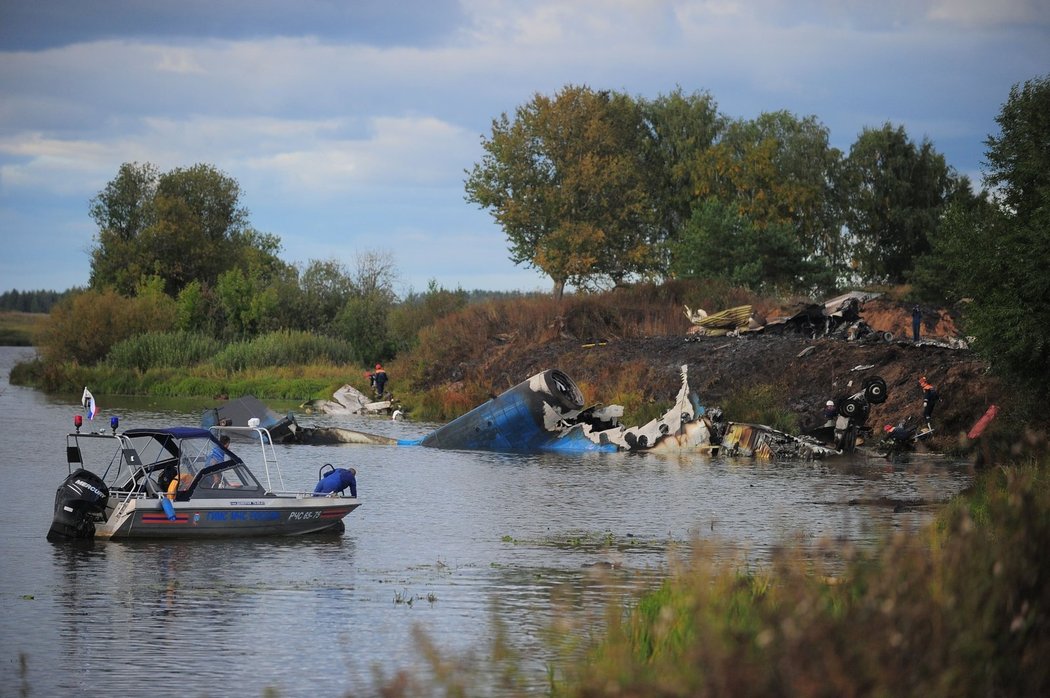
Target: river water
463, 547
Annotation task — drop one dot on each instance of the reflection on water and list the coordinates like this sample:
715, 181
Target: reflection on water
457, 544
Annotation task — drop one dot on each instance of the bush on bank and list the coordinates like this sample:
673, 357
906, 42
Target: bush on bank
962, 611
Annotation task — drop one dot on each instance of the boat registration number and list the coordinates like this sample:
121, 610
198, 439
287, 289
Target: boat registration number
303, 515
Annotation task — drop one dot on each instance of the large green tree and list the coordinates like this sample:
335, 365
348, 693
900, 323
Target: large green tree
779, 170
683, 127
184, 225
567, 179
997, 253
363, 319
897, 193
123, 210
720, 243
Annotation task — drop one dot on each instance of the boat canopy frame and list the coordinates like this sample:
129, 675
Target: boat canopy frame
130, 476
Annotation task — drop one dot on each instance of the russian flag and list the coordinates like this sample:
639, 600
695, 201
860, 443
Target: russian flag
88, 400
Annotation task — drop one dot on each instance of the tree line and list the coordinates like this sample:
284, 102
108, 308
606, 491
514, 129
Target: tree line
597, 188
30, 301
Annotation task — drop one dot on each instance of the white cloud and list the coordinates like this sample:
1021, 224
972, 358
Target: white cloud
982, 13
326, 135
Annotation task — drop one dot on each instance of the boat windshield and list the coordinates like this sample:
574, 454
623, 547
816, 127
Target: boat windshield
183, 459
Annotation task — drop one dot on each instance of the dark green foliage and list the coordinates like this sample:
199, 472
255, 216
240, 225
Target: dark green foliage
998, 253
180, 226
248, 303
31, 301
681, 126
1018, 159
325, 287
968, 223
363, 322
897, 192
718, 243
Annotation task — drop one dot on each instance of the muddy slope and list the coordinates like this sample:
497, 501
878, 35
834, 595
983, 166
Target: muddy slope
806, 371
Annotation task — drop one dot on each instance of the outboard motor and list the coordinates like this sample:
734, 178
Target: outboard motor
79, 502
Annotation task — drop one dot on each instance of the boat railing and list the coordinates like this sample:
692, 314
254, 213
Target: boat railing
269, 453
126, 460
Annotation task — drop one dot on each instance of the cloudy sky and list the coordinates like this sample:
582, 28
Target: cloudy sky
349, 124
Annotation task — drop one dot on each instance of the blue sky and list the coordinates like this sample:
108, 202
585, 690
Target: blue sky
350, 125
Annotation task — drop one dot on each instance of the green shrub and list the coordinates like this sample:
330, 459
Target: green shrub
163, 350
284, 348
84, 326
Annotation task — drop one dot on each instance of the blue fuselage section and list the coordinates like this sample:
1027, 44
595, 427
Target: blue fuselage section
517, 421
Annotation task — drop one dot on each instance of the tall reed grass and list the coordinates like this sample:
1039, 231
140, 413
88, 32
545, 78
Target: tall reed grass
163, 350
284, 348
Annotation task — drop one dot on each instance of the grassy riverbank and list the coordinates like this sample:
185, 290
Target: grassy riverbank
624, 347
19, 329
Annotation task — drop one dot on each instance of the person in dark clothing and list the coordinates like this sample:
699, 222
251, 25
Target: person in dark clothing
916, 322
929, 399
900, 436
379, 381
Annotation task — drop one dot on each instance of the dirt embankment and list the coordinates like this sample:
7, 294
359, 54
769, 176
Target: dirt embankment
806, 371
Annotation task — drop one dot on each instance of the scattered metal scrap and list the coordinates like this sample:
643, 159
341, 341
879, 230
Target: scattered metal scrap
836, 317
349, 400
248, 410
731, 321
766, 443
547, 413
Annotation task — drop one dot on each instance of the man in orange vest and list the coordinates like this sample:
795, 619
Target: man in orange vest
929, 399
379, 381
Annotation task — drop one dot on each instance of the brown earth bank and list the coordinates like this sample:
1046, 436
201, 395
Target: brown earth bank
803, 373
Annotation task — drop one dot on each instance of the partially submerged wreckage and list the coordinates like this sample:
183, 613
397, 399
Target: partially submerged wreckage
547, 413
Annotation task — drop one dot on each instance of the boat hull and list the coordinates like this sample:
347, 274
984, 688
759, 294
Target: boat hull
280, 516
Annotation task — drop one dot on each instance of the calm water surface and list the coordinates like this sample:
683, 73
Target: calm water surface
454, 544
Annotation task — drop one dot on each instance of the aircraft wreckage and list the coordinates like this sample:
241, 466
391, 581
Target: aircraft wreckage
547, 413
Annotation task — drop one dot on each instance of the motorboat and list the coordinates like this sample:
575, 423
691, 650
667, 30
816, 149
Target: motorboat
184, 482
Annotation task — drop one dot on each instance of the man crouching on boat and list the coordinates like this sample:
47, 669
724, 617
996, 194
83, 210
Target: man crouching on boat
337, 481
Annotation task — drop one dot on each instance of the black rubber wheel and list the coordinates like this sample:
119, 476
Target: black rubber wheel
875, 390
849, 408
